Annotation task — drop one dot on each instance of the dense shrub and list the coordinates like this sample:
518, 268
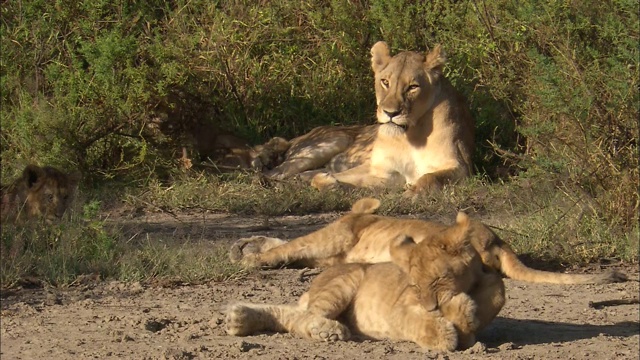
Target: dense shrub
116, 87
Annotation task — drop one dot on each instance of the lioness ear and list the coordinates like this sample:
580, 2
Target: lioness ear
400, 251
365, 206
32, 174
435, 61
379, 56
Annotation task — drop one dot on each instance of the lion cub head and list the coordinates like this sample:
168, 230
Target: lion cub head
440, 266
406, 85
41, 192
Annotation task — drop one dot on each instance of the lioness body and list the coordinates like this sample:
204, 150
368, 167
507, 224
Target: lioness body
362, 237
41, 192
426, 136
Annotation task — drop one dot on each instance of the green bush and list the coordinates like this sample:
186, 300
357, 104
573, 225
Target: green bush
58, 253
116, 88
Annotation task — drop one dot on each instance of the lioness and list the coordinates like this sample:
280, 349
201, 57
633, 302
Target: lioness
435, 294
41, 192
362, 237
426, 136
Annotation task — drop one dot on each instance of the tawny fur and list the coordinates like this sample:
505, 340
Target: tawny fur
325, 148
443, 269
426, 136
362, 237
41, 192
381, 301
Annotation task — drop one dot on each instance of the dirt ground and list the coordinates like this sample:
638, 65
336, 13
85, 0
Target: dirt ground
97, 319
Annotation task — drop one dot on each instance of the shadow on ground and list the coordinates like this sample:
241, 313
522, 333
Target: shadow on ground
532, 332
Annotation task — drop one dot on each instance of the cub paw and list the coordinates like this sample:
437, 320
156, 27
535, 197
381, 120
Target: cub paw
447, 338
465, 341
248, 251
328, 330
240, 320
245, 246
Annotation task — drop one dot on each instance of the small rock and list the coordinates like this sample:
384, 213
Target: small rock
215, 322
477, 348
178, 354
136, 288
244, 346
507, 346
52, 299
154, 325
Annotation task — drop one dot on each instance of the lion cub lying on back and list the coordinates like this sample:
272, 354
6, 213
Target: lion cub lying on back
363, 237
41, 192
435, 294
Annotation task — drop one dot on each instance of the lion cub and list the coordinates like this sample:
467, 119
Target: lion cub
41, 192
434, 293
443, 269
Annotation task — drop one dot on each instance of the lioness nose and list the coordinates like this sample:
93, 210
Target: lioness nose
392, 113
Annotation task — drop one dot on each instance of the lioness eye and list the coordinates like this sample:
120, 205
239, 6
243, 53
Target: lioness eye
385, 83
413, 87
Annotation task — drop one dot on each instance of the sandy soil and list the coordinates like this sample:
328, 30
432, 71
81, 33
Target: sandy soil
96, 319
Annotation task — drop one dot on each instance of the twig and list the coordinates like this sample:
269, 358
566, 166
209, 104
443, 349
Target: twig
508, 230
601, 304
305, 273
223, 167
505, 153
157, 207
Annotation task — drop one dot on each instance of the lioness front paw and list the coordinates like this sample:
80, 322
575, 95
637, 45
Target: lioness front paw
323, 181
410, 193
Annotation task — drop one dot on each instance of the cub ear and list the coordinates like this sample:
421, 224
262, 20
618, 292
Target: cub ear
379, 56
365, 206
32, 174
400, 250
435, 61
462, 218
459, 233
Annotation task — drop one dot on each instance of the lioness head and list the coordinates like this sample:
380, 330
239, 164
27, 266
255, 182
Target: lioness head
439, 266
43, 192
405, 84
